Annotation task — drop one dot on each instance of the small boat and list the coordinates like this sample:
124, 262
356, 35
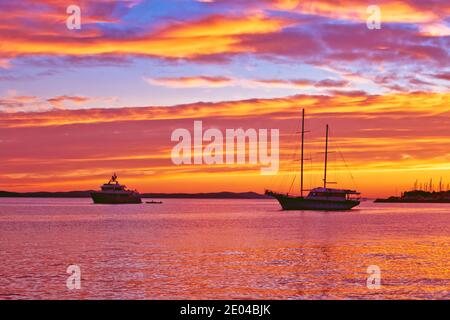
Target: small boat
154, 202
321, 198
115, 193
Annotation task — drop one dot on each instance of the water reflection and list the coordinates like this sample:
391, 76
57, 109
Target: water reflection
220, 249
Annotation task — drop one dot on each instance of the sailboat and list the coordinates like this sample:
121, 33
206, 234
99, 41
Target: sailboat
320, 198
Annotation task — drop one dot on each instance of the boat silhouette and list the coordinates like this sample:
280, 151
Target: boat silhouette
320, 198
113, 192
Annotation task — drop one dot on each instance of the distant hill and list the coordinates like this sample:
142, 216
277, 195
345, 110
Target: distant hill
211, 195
87, 194
419, 196
44, 194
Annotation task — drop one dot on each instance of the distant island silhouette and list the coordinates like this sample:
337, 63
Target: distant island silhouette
420, 196
87, 194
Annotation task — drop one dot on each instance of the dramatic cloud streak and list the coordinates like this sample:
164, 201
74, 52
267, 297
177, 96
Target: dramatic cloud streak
187, 82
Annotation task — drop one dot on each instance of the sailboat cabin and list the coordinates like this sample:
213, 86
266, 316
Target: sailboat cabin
332, 194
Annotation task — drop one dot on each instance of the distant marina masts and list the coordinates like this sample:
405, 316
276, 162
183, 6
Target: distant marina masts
430, 186
423, 192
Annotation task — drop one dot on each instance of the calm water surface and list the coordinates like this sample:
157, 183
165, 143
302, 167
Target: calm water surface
221, 249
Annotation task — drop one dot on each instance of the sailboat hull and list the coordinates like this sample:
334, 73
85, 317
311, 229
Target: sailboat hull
299, 203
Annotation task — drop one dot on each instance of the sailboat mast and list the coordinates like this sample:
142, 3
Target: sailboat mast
301, 161
326, 161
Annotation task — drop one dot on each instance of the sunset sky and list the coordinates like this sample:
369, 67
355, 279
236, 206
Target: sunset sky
78, 105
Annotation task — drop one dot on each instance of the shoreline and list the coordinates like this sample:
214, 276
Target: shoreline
410, 201
87, 194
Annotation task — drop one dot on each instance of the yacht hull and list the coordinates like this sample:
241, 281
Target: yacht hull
115, 198
299, 203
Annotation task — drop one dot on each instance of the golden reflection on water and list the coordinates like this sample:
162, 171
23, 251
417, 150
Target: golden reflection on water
221, 249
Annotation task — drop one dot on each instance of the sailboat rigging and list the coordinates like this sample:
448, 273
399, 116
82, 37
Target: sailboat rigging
321, 198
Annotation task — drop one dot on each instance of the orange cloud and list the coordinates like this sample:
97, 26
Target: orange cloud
22, 103
212, 35
221, 26
188, 82
14, 103
255, 30
58, 102
357, 105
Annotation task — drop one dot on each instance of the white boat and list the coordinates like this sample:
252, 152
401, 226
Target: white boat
115, 193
